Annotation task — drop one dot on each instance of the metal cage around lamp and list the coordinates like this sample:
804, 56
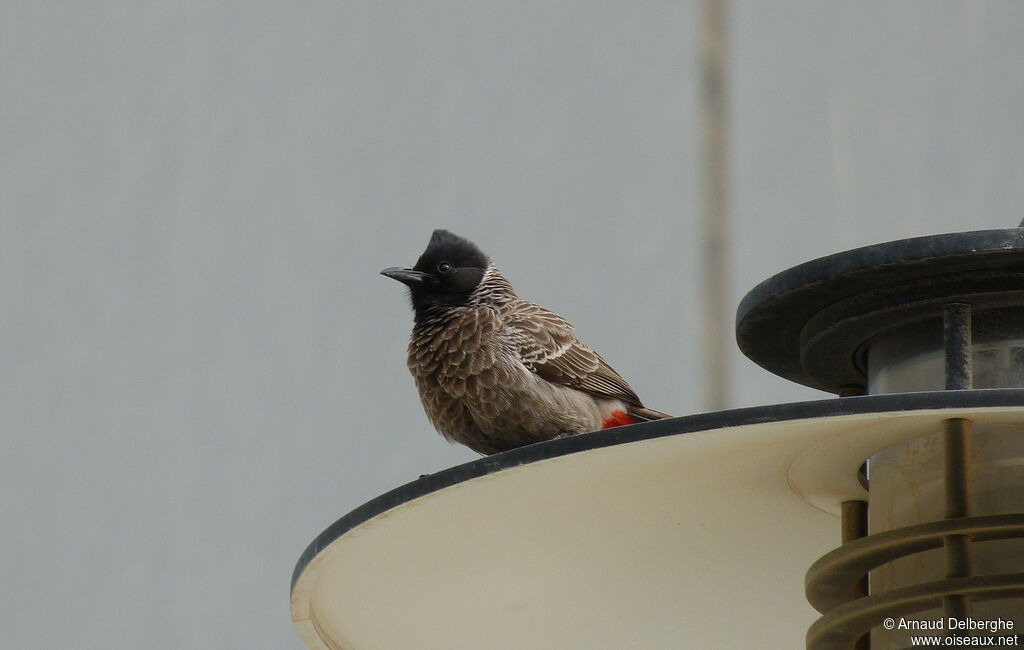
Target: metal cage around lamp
945, 509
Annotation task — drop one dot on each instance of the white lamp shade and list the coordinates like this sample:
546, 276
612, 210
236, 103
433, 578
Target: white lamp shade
693, 532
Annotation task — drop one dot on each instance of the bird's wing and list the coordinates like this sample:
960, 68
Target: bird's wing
546, 344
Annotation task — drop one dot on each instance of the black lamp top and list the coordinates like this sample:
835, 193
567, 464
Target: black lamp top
810, 323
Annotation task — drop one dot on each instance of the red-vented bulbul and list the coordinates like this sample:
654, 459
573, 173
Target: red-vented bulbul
495, 372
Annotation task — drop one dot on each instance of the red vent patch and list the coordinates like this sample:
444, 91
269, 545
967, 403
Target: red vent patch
618, 419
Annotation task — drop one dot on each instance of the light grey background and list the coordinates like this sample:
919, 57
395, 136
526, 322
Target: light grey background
201, 368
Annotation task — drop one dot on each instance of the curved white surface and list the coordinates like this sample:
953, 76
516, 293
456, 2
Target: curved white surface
696, 540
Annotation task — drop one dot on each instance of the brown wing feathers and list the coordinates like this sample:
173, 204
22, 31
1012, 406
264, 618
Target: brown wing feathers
548, 346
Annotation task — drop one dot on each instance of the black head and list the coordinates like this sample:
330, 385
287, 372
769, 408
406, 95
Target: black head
446, 273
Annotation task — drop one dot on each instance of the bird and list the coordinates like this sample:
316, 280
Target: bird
495, 372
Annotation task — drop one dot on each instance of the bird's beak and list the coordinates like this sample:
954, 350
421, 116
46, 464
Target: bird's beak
405, 276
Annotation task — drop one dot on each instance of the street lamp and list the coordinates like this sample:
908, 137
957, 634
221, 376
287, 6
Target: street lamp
698, 531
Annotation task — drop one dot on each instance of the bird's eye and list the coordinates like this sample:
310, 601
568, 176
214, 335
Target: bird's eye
444, 267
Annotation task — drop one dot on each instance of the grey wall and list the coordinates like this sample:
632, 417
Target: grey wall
201, 368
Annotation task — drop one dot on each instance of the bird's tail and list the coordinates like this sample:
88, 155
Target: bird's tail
643, 414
